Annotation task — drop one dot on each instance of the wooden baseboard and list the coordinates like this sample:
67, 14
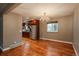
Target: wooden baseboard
56, 40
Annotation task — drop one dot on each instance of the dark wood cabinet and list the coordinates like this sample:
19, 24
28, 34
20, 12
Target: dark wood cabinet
25, 34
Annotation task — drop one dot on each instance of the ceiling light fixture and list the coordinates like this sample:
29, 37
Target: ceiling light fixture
44, 17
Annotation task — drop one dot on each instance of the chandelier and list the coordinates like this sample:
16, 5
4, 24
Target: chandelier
44, 17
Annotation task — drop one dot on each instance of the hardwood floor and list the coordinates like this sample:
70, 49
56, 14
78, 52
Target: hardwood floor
40, 48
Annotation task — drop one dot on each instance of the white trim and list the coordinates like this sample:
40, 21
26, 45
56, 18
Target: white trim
11, 46
6, 49
75, 50
56, 40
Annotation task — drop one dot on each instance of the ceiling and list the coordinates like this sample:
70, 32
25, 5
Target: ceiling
51, 9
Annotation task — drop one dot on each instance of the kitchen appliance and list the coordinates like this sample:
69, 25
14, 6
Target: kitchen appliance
34, 26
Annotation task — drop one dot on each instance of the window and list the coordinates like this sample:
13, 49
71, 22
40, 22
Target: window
52, 27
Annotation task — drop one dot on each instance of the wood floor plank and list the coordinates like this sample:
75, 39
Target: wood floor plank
40, 48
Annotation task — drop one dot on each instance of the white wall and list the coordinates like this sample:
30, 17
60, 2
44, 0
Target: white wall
12, 25
76, 29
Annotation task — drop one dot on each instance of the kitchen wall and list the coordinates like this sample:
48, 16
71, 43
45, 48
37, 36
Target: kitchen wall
76, 29
64, 32
12, 27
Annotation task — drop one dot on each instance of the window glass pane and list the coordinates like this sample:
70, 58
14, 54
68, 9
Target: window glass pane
52, 27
